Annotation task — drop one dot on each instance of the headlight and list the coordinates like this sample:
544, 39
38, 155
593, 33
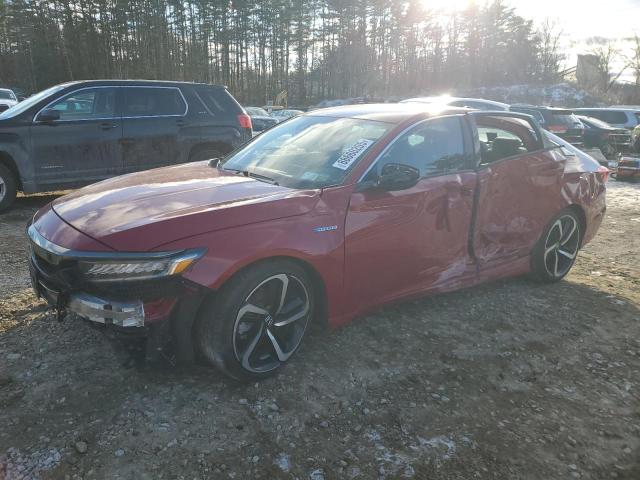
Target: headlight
138, 267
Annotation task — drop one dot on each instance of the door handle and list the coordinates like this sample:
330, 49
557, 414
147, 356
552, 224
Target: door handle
127, 141
108, 126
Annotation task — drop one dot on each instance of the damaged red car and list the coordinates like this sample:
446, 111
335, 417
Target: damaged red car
320, 219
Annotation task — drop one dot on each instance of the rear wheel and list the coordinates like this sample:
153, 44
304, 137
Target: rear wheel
257, 321
556, 251
8, 187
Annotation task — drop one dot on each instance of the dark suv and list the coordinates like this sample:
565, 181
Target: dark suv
78, 133
560, 121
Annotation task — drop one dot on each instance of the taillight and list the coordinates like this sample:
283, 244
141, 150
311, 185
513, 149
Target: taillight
557, 128
244, 120
604, 173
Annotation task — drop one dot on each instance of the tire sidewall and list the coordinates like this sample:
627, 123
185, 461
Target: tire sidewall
214, 329
11, 188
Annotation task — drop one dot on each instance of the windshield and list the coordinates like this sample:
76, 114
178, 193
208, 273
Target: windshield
18, 108
308, 151
565, 118
7, 95
594, 122
256, 111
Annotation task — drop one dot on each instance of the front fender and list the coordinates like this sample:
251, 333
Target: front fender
317, 239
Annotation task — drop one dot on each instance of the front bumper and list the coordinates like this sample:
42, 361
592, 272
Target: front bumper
127, 313
134, 304
122, 314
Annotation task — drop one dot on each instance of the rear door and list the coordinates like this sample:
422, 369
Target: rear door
153, 118
408, 241
84, 144
519, 188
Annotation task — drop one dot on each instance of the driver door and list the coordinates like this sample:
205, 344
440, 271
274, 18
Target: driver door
83, 145
408, 241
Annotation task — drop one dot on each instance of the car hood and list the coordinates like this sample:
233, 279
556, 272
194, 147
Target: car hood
142, 211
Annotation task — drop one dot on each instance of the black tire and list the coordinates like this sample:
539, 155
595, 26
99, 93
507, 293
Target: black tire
8, 188
204, 154
555, 252
241, 342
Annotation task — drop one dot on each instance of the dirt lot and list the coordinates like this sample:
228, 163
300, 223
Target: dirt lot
511, 380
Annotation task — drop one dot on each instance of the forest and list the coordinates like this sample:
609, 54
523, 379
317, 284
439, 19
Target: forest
314, 49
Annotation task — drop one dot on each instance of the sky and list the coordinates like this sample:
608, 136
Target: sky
582, 19
578, 19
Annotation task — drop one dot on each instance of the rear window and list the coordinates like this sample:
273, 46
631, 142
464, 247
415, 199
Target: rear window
217, 101
153, 102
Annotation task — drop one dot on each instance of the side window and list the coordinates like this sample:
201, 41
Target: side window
87, 104
504, 137
614, 117
433, 147
217, 101
153, 102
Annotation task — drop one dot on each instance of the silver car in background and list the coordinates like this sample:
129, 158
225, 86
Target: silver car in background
7, 99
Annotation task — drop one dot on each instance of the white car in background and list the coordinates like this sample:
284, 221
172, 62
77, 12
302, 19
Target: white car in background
7, 99
475, 103
285, 113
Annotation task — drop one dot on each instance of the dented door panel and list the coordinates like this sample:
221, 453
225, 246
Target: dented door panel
409, 241
517, 198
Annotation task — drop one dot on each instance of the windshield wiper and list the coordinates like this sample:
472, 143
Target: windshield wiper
247, 173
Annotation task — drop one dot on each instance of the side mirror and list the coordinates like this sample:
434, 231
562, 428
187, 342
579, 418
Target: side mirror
49, 115
397, 176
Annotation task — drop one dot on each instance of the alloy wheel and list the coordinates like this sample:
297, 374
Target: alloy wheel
561, 246
271, 322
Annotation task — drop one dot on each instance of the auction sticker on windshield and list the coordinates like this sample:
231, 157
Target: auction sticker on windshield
352, 153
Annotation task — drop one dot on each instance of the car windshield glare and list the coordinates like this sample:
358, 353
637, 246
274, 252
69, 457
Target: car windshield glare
308, 151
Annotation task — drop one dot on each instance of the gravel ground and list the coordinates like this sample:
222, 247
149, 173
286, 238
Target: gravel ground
510, 380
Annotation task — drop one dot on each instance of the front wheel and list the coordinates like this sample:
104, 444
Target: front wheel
257, 321
557, 249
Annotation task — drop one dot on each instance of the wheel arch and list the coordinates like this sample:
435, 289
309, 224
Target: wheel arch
582, 217
320, 289
7, 160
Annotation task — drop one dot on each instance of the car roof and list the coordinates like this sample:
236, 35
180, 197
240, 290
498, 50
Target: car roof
543, 108
386, 112
446, 99
608, 109
143, 83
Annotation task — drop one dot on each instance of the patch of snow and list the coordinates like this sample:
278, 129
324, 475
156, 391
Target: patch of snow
20, 466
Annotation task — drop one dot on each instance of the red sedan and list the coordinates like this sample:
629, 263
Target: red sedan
322, 218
